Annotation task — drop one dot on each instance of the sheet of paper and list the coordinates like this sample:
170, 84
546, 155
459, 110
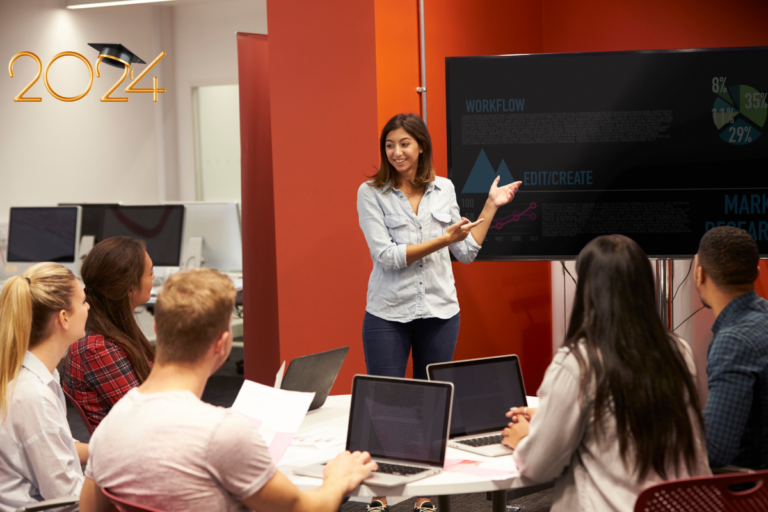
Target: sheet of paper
497, 468
276, 413
322, 438
279, 376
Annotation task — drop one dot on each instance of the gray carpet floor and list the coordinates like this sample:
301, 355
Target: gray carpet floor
222, 389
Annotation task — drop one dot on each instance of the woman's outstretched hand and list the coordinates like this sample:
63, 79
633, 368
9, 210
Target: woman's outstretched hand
500, 196
459, 231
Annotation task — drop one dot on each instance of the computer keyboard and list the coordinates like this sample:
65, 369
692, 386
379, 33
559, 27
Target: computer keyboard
399, 469
481, 441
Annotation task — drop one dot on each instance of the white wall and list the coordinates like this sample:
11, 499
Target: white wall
206, 54
88, 151
54, 151
219, 142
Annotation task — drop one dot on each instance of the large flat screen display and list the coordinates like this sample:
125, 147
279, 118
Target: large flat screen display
659, 146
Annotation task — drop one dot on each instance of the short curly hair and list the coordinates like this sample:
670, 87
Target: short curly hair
729, 256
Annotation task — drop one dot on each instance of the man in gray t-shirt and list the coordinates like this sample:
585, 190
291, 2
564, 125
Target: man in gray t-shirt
162, 447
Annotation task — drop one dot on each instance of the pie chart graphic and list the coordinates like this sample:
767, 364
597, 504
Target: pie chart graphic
739, 114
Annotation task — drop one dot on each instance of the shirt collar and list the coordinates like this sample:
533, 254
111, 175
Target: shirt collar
33, 364
430, 186
733, 310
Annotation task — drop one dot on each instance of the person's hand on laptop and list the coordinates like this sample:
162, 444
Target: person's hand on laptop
349, 469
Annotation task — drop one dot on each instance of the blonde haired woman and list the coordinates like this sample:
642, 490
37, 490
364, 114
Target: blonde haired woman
42, 313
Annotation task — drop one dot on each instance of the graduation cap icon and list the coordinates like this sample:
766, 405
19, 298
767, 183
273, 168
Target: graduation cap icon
116, 55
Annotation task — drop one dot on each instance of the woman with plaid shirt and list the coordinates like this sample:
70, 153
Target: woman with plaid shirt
115, 356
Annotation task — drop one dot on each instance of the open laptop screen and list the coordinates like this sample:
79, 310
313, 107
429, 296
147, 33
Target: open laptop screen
484, 390
400, 419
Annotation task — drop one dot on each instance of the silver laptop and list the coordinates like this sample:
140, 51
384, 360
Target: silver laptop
402, 423
485, 389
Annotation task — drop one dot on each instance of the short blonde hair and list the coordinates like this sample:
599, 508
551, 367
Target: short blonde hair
27, 304
192, 310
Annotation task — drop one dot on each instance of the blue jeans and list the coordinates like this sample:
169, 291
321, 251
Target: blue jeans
387, 344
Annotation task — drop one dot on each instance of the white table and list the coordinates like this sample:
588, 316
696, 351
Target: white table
335, 413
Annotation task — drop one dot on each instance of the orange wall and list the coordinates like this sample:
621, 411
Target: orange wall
603, 25
323, 101
397, 58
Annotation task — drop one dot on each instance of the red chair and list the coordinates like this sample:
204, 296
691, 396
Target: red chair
126, 506
80, 411
707, 493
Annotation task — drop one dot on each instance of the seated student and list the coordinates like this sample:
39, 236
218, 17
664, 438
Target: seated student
618, 408
736, 414
115, 356
162, 447
41, 314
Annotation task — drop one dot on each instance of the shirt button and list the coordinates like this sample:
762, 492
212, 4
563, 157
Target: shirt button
419, 227
419, 282
421, 265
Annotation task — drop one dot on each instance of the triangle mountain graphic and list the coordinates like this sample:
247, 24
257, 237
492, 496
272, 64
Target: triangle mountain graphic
482, 176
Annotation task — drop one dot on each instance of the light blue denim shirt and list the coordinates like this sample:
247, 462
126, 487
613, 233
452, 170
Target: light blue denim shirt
423, 289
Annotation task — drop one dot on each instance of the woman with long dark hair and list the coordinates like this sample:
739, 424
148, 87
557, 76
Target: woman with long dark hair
618, 408
410, 219
115, 356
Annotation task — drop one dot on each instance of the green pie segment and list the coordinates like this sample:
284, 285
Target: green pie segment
750, 103
723, 113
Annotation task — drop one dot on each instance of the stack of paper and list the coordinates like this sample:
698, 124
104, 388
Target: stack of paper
276, 413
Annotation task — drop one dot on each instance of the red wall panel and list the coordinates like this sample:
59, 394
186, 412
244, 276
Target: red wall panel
261, 331
324, 143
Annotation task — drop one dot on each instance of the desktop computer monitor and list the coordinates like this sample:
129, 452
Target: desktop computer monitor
38, 234
92, 218
159, 226
216, 226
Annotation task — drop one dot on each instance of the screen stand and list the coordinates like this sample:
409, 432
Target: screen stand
193, 255
665, 272
86, 244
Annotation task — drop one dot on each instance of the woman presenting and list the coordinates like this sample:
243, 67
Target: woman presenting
410, 218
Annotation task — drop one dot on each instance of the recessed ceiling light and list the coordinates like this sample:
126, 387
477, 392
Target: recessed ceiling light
87, 4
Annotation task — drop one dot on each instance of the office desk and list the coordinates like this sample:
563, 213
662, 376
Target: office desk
335, 413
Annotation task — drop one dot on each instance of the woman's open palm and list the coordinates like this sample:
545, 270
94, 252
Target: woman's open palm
502, 195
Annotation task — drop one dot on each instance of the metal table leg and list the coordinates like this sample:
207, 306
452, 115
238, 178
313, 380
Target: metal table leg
444, 503
499, 501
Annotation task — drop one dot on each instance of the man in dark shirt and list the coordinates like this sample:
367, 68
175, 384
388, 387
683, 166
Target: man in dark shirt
736, 414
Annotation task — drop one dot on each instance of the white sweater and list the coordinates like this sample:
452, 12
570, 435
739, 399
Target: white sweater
588, 470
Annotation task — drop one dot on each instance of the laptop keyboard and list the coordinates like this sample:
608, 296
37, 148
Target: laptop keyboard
398, 469
481, 441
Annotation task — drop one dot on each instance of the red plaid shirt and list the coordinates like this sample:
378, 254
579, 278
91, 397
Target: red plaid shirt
97, 374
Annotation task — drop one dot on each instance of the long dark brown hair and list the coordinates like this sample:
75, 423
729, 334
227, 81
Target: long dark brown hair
111, 270
639, 372
416, 128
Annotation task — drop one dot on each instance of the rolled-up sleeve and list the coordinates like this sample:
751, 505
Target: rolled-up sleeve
556, 429
390, 255
466, 250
